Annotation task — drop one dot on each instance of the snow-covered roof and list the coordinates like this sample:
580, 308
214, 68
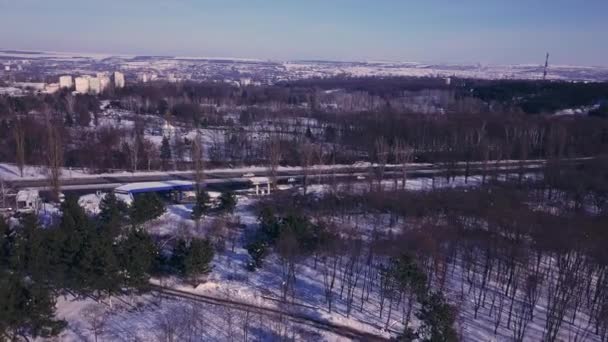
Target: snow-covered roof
27, 195
135, 188
259, 180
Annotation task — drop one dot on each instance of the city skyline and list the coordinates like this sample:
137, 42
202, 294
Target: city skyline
473, 31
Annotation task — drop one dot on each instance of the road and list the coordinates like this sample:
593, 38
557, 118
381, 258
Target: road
296, 317
235, 177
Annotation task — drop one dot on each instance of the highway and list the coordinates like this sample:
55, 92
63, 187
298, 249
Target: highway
239, 178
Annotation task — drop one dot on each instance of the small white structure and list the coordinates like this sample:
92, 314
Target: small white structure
119, 79
28, 201
82, 84
66, 81
260, 183
37, 86
51, 88
448, 80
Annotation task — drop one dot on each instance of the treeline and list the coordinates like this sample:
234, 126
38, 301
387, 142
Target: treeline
535, 97
98, 257
467, 133
474, 137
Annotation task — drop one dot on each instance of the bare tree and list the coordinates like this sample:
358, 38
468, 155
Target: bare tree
19, 145
403, 155
274, 158
166, 325
54, 158
197, 160
382, 151
94, 314
307, 155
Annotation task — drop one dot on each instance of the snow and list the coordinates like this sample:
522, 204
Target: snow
154, 186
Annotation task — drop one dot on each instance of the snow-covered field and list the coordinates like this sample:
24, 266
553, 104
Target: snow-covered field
149, 317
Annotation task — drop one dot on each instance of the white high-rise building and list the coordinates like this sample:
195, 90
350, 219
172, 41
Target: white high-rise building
66, 81
82, 84
104, 82
94, 85
119, 79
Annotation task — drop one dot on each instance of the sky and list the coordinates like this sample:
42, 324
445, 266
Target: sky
574, 32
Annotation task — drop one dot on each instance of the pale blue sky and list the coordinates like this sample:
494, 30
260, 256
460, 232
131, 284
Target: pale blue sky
458, 31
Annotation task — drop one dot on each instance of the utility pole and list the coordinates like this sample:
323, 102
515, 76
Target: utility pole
546, 67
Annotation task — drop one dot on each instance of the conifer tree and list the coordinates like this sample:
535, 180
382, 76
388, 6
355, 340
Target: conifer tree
193, 259
201, 207
112, 213
137, 254
27, 309
437, 320
227, 202
146, 207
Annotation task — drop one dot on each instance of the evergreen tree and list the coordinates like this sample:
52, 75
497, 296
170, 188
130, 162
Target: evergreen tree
227, 202
269, 224
201, 207
193, 259
165, 151
137, 254
5, 243
30, 253
408, 275
75, 236
437, 320
257, 250
26, 310
103, 272
112, 214
146, 207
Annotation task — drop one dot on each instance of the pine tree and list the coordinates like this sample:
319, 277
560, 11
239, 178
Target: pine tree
103, 272
165, 151
193, 259
146, 207
112, 214
26, 310
30, 253
198, 259
5, 243
437, 320
201, 207
75, 239
227, 202
257, 250
137, 254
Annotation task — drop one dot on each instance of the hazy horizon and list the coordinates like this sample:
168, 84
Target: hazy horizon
468, 32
